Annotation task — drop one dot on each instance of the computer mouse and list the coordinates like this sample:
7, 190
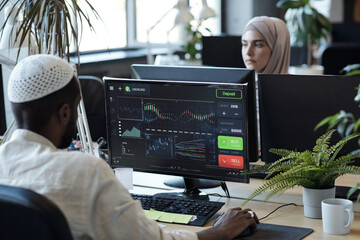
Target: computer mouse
244, 233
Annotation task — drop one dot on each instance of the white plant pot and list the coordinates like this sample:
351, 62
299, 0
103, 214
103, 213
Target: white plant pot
312, 200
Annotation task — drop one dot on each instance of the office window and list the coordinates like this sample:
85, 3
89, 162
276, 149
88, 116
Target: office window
111, 31
148, 13
125, 23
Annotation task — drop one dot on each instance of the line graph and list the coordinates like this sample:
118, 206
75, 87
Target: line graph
179, 115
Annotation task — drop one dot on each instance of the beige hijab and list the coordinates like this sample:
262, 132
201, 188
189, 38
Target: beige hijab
277, 36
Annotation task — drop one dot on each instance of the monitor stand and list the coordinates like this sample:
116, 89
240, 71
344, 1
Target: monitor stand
191, 186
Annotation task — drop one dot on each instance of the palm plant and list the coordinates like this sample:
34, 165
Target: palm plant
316, 169
48, 26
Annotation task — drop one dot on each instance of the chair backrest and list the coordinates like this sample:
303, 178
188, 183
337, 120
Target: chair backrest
94, 100
25, 214
336, 56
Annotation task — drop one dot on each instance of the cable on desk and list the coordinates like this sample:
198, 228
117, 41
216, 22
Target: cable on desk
215, 195
284, 205
225, 188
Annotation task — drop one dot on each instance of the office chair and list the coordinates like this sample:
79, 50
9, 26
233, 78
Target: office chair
94, 100
336, 56
25, 214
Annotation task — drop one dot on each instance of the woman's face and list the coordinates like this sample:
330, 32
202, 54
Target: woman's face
255, 51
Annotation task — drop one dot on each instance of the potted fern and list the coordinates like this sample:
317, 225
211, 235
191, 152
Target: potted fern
316, 171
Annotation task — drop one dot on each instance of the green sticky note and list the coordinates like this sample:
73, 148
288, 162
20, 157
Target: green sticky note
153, 214
182, 218
146, 212
167, 217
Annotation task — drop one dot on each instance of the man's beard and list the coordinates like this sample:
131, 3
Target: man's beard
69, 133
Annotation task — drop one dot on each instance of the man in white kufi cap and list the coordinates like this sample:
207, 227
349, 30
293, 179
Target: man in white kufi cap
44, 95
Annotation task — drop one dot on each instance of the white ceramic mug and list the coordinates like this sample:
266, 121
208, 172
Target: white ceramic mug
337, 215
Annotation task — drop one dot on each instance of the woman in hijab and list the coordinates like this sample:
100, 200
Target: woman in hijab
266, 45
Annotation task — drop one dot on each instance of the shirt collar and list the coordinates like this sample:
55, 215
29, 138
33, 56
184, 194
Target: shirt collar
23, 134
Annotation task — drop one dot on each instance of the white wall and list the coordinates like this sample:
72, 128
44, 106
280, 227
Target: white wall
337, 11
238, 13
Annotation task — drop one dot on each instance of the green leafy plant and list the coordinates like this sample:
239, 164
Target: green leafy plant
306, 25
345, 122
351, 70
193, 45
352, 191
316, 169
48, 26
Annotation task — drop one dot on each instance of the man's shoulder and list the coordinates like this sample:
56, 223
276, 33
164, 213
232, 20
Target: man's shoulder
80, 156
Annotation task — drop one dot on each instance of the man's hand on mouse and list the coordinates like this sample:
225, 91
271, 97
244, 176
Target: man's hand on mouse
235, 220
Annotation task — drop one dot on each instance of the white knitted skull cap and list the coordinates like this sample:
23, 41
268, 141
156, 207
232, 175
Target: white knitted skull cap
37, 76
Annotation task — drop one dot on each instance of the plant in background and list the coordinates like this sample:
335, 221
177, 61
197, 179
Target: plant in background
353, 190
316, 169
351, 70
49, 26
193, 45
345, 122
306, 25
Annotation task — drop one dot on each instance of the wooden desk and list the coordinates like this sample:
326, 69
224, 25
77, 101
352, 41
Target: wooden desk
290, 215
240, 190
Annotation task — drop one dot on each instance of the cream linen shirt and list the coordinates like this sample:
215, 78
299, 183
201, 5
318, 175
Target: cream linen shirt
94, 202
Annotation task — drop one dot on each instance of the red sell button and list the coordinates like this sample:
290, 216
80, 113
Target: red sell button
230, 161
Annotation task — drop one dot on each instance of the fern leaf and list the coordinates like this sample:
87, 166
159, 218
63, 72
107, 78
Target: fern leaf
323, 141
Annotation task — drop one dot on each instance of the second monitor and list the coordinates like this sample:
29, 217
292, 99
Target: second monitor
210, 74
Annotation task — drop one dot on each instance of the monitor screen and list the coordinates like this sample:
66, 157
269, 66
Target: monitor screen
189, 129
210, 74
292, 105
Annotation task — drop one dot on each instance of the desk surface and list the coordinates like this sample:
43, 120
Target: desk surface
290, 215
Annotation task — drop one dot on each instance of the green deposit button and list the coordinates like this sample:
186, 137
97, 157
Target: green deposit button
229, 93
232, 143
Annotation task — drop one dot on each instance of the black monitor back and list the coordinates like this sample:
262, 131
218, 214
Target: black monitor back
209, 74
222, 51
336, 56
345, 32
292, 105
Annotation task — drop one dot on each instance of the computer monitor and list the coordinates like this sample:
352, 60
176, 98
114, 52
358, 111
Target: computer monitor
209, 74
189, 129
292, 105
222, 51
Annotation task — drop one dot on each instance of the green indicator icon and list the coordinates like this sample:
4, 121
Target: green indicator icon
127, 89
231, 143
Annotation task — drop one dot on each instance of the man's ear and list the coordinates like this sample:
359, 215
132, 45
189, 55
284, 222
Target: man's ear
64, 113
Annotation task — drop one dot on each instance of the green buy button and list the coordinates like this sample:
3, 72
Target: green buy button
232, 143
